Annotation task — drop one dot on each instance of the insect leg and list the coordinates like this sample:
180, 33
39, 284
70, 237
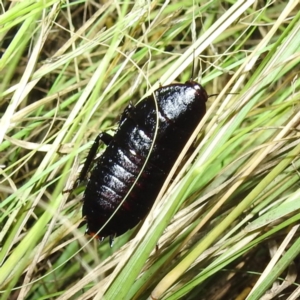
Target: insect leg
111, 240
106, 139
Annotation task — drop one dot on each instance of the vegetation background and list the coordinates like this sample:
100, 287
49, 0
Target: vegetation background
227, 225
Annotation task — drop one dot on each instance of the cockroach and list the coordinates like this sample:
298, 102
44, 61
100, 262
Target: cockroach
138, 158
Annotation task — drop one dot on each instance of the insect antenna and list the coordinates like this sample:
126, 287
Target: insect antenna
212, 95
193, 66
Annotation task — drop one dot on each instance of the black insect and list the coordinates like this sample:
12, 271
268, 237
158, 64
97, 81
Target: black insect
159, 125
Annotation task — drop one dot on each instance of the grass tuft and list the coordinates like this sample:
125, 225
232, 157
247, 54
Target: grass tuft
226, 226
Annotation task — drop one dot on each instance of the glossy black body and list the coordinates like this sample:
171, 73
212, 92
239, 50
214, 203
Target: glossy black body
180, 108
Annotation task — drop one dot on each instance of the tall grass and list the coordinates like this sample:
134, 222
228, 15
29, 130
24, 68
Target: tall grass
226, 226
